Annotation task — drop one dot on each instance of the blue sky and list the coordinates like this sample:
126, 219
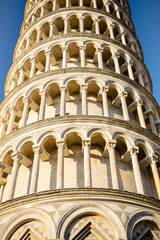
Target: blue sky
145, 15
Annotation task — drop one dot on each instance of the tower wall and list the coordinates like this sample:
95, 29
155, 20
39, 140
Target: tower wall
79, 133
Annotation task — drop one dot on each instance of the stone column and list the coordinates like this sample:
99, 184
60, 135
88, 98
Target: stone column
43, 104
13, 84
60, 164
35, 168
81, 24
100, 58
87, 164
84, 99
118, 13
136, 170
2, 128
123, 34
113, 165
11, 120
63, 101
26, 102
54, 5
107, 7
130, 71
153, 161
1, 186
27, 43
64, 61
94, 4
123, 96
38, 35
48, 57
42, 11
140, 78
152, 123
21, 76
105, 101
97, 26
16, 161
83, 56
33, 18
81, 3
111, 27
116, 63
51, 32
33, 67
140, 113
65, 26
67, 3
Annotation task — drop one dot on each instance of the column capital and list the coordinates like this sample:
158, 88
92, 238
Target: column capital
111, 26
97, 20
111, 144
63, 88
83, 47
16, 156
48, 52
129, 61
43, 92
100, 50
64, 48
12, 109
140, 72
86, 142
84, 86
37, 148
104, 88
115, 55
123, 94
140, 101
153, 159
39, 29
2, 167
26, 99
51, 23
60, 143
134, 150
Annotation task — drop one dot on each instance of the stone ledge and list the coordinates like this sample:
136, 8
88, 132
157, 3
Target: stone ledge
77, 194
85, 70
80, 118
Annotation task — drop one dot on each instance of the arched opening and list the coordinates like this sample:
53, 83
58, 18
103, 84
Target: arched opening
56, 57
53, 101
33, 113
48, 165
88, 24
91, 56
146, 229
40, 63
26, 70
94, 99
73, 161
73, 55
59, 26
49, 6
115, 111
103, 27
147, 176
33, 38
73, 106
108, 62
45, 31
99, 161
74, 23
123, 65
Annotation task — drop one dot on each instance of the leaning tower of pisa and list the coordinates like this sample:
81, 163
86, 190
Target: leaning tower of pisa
79, 130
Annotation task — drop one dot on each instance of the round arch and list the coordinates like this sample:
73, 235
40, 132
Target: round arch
24, 216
